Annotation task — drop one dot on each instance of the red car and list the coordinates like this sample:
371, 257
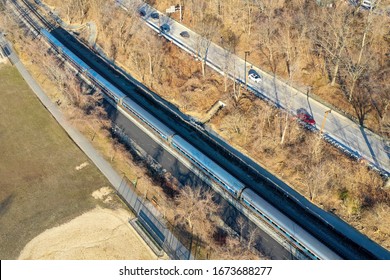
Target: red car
304, 116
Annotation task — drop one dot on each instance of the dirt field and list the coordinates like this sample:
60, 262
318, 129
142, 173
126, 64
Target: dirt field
46, 181
100, 234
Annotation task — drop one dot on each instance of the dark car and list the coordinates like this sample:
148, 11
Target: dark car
165, 27
7, 52
305, 117
154, 15
142, 13
185, 34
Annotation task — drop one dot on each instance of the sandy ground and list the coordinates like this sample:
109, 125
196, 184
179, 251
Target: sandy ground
100, 234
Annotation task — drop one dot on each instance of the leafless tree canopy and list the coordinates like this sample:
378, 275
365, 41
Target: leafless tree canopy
195, 211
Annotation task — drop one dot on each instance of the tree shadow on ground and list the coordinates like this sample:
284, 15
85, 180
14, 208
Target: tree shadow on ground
5, 204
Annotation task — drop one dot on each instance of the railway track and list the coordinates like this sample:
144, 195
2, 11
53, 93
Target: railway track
32, 8
264, 183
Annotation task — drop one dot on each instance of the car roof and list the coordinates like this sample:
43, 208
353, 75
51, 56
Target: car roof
302, 111
252, 71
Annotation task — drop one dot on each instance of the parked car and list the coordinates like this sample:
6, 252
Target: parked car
185, 34
254, 76
154, 15
305, 117
367, 4
142, 12
165, 28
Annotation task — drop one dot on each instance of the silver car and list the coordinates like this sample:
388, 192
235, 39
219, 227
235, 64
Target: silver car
254, 76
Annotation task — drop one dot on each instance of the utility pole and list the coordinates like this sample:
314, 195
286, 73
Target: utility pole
308, 90
324, 120
247, 53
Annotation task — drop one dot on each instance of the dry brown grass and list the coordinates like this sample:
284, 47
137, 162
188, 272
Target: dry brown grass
38, 175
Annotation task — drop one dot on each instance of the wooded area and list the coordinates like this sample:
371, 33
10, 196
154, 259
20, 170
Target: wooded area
341, 53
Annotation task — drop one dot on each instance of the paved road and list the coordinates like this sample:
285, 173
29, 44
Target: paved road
346, 133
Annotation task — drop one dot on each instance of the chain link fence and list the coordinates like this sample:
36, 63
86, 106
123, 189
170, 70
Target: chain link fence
160, 233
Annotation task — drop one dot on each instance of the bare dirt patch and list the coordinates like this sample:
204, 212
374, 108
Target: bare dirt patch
97, 234
81, 166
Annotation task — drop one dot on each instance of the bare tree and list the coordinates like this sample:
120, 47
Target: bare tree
195, 210
317, 179
234, 249
248, 235
208, 27
249, 7
361, 100
269, 35
229, 42
358, 55
82, 7
331, 34
155, 51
